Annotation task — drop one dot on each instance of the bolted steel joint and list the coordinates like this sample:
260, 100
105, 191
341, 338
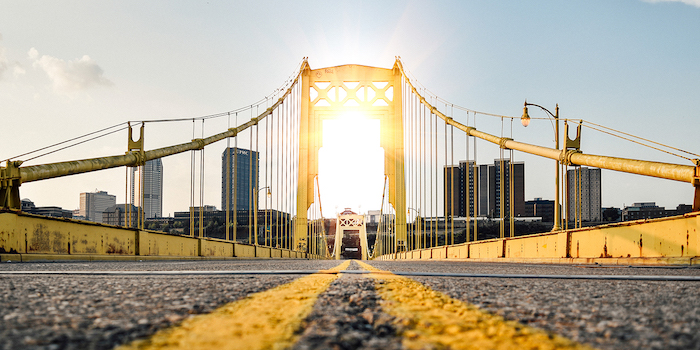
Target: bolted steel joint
140, 158
502, 142
200, 143
565, 157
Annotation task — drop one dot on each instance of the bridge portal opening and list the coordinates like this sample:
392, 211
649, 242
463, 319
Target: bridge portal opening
350, 248
351, 163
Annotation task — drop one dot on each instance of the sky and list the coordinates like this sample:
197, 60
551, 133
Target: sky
72, 67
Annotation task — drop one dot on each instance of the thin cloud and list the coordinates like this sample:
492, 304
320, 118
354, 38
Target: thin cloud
695, 3
4, 63
70, 76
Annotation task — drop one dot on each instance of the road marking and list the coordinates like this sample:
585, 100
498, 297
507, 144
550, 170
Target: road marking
262, 320
428, 319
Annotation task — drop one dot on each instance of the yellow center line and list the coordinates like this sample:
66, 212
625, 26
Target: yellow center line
428, 319
264, 320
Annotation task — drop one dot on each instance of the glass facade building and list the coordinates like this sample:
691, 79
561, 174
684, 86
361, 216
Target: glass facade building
239, 178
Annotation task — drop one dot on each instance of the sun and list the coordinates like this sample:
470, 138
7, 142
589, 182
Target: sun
351, 164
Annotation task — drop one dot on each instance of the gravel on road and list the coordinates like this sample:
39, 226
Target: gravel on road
348, 316
604, 314
100, 312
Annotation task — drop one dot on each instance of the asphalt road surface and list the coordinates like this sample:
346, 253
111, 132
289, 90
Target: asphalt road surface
73, 311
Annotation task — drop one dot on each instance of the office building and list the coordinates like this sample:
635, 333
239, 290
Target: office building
152, 178
153, 189
125, 215
540, 208
649, 210
93, 204
589, 194
52, 211
239, 178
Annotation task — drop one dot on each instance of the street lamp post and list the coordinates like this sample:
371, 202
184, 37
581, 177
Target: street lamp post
255, 223
525, 120
418, 237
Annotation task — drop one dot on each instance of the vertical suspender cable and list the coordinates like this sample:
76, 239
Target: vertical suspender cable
256, 199
467, 187
501, 185
268, 239
432, 214
234, 196
278, 163
424, 165
250, 189
437, 181
477, 192
452, 163
201, 187
511, 193
444, 185
192, 161
286, 182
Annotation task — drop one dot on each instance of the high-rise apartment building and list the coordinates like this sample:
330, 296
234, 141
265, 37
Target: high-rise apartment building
239, 178
93, 204
481, 184
459, 181
589, 192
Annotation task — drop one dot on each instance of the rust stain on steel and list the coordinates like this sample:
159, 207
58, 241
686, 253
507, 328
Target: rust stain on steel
86, 249
605, 250
117, 247
577, 249
44, 240
640, 246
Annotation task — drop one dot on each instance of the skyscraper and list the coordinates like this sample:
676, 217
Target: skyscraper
239, 178
152, 178
93, 204
591, 208
153, 189
482, 185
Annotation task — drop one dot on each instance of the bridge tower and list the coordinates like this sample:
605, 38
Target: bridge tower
350, 236
329, 93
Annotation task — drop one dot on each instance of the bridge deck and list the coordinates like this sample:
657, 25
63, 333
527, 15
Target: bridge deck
355, 311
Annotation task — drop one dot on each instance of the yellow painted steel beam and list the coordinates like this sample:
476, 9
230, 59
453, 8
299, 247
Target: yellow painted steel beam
432, 320
255, 322
671, 240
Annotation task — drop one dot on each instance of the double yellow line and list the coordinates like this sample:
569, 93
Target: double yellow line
265, 320
425, 319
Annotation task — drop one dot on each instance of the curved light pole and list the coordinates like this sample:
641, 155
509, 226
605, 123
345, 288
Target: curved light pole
257, 194
525, 120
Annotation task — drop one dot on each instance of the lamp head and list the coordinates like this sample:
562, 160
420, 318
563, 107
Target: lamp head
525, 119
269, 193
